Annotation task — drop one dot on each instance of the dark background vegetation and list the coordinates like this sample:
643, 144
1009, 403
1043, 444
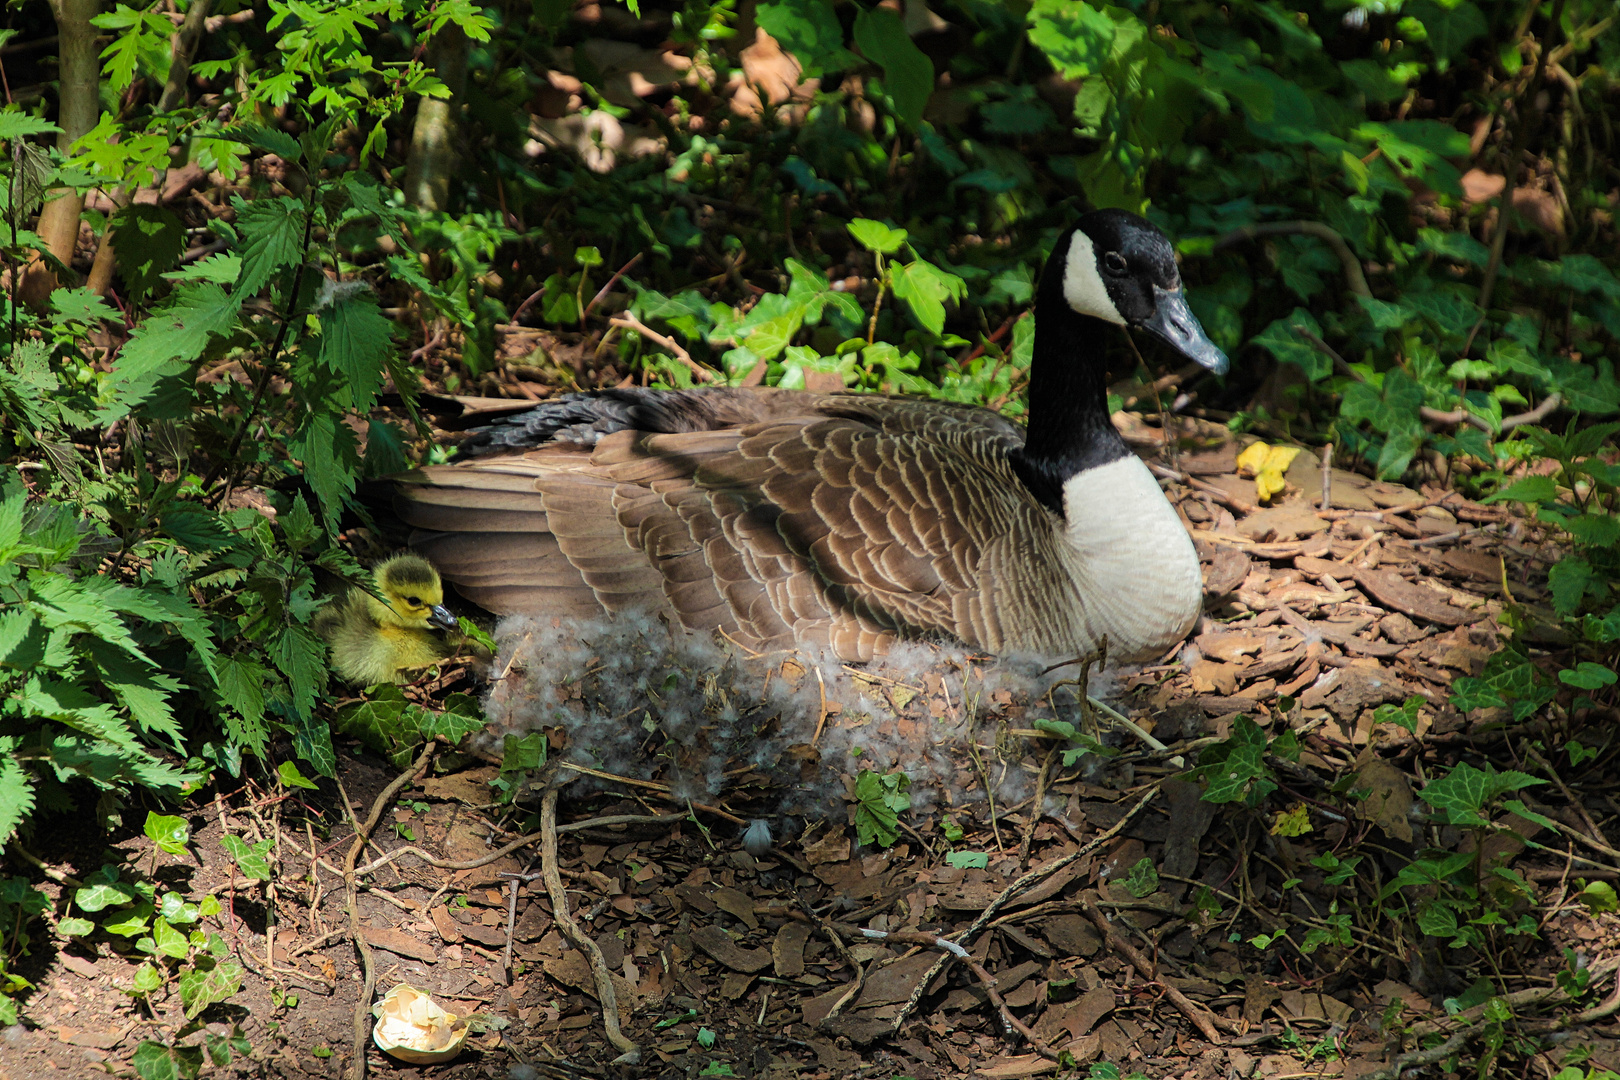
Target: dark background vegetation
242, 240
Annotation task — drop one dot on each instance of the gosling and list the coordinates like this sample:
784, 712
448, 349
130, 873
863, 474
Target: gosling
388, 640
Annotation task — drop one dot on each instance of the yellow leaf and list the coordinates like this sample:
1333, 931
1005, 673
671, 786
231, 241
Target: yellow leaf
1266, 464
1295, 821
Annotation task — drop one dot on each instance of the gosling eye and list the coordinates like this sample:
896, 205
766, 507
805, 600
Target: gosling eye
1115, 264
414, 601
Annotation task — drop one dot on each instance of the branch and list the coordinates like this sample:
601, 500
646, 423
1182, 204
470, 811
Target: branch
628, 321
1202, 1019
609, 1000
1354, 277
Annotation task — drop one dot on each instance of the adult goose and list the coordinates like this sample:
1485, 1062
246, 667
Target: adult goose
849, 521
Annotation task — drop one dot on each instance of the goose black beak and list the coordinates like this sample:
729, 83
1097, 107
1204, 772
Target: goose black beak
441, 617
1175, 323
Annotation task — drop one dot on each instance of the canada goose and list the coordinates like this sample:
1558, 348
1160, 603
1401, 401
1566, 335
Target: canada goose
373, 641
790, 518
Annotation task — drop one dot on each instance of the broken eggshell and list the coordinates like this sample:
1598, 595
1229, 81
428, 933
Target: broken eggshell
412, 1027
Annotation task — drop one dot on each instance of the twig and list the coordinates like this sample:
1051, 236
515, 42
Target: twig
662, 789
49, 871
511, 925
1327, 476
859, 981
1134, 728
1202, 1019
1010, 1023
629, 1052
362, 833
627, 321
1412, 1060
1018, 886
1354, 277
1035, 813
603, 291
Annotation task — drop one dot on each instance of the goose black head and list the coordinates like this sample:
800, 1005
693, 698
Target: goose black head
1121, 269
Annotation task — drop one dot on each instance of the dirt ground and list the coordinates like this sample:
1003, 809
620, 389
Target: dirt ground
728, 964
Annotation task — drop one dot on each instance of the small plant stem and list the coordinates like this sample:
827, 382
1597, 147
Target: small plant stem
877, 306
268, 367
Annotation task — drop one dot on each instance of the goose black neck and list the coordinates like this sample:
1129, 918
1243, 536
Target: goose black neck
1069, 428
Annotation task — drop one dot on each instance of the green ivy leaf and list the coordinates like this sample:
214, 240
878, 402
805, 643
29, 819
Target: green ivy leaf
1588, 676
249, 859
200, 988
876, 236
1283, 342
169, 833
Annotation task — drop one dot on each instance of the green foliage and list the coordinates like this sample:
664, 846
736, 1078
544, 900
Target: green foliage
880, 799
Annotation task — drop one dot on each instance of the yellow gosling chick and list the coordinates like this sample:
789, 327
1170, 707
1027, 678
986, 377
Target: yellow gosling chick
377, 641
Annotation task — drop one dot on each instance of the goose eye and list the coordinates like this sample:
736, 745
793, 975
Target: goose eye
1115, 263
414, 601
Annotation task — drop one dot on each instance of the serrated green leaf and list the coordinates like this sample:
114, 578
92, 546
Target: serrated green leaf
272, 233
167, 342
16, 793
355, 344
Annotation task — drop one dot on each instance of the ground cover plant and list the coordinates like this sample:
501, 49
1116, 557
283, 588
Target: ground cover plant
252, 252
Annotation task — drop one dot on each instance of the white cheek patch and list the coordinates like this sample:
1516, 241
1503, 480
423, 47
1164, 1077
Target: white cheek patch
1083, 285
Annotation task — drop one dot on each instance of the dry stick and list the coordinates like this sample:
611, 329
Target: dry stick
1456, 416
1412, 1060
1202, 1019
1519, 999
603, 291
362, 833
1602, 842
1010, 1023
629, 1052
654, 786
1327, 477
1024, 882
628, 321
856, 984
1354, 277
1035, 813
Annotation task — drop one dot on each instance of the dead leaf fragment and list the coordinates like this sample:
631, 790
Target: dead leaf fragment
718, 944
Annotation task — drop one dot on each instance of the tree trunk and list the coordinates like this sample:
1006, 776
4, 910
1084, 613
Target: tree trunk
79, 92
181, 49
433, 140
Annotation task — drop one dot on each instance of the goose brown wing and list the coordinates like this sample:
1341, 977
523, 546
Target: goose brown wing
849, 529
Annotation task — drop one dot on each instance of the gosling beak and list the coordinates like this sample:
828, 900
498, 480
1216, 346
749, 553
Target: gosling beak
441, 617
1175, 323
